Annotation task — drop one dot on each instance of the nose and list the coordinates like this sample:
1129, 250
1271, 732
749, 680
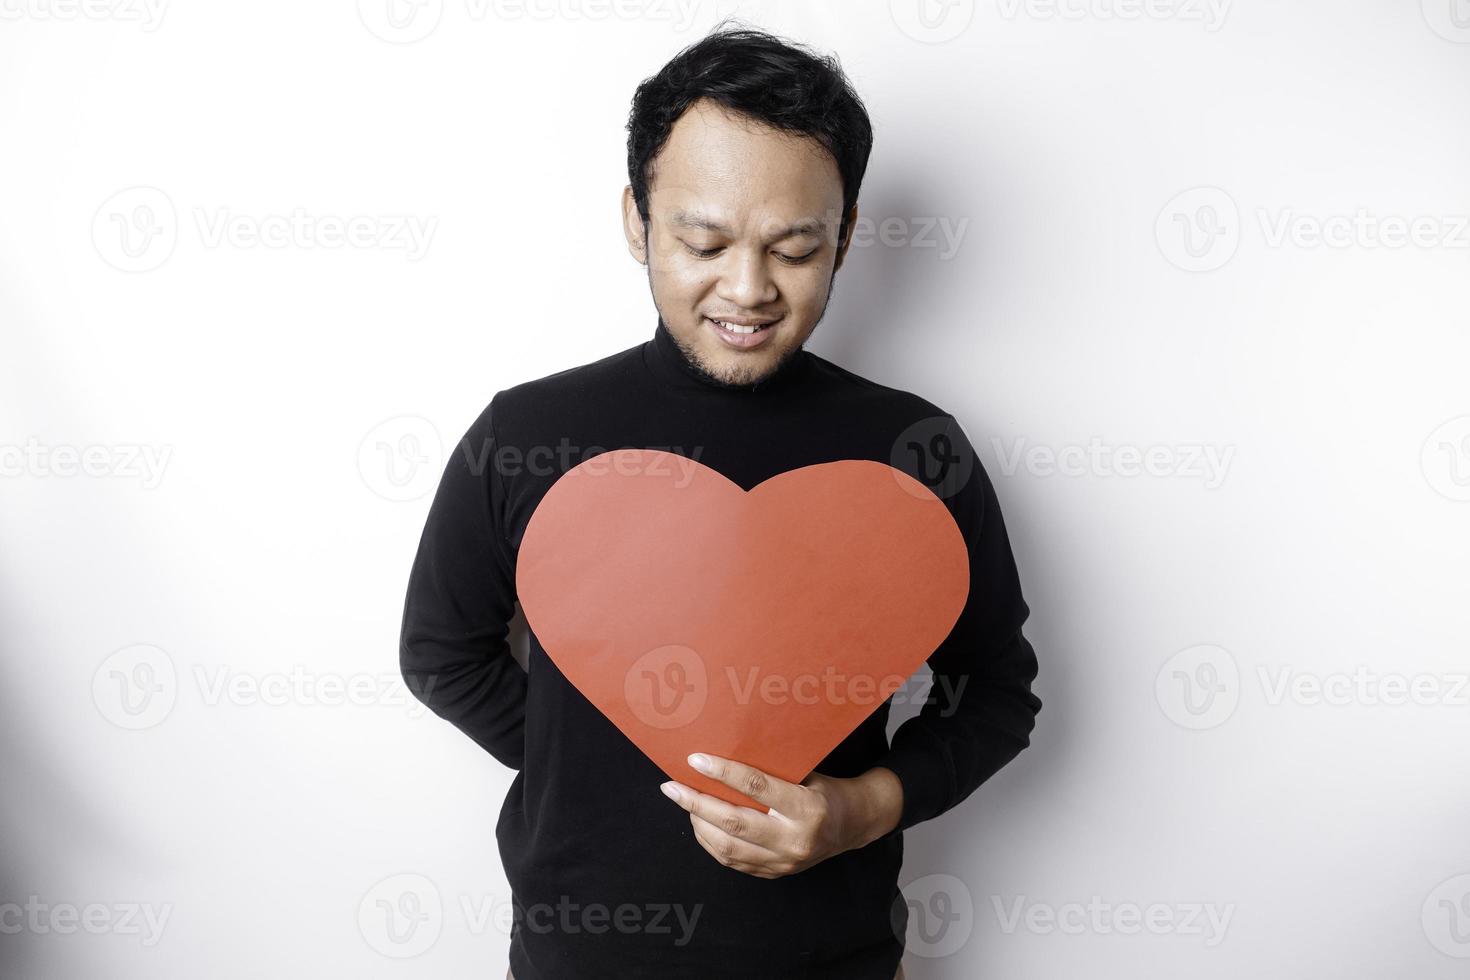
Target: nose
745, 279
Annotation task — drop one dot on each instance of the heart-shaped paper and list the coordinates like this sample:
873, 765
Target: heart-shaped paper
761, 626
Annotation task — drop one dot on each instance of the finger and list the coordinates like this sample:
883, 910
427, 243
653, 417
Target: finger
737, 821
749, 869
740, 866
762, 787
733, 851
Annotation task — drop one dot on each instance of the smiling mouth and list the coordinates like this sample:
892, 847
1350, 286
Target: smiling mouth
739, 328
743, 336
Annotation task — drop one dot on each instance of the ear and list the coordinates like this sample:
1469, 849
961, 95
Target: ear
843, 246
633, 228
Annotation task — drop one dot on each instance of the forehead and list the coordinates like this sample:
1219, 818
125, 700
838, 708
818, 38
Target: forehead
732, 168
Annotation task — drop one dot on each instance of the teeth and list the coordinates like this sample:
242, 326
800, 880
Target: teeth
735, 327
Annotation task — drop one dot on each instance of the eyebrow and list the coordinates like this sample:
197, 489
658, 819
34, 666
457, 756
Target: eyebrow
694, 219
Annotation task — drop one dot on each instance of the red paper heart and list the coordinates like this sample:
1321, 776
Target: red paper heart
761, 626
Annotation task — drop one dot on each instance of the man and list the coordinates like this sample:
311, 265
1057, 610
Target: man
745, 159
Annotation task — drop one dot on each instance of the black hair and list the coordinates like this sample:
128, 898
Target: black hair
783, 85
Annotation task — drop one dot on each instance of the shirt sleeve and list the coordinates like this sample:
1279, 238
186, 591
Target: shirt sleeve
980, 711
452, 649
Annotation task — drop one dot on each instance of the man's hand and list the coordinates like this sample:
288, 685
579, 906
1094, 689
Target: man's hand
806, 824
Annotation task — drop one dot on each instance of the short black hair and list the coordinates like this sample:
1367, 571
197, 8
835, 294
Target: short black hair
783, 85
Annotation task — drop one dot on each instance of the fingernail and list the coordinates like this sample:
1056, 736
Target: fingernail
671, 791
699, 762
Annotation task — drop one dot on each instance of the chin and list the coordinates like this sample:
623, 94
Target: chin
742, 370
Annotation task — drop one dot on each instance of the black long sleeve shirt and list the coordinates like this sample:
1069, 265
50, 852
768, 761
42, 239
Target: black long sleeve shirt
607, 878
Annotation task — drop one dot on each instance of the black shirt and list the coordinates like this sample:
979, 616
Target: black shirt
606, 875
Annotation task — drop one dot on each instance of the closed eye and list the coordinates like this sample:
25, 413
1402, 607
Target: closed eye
709, 253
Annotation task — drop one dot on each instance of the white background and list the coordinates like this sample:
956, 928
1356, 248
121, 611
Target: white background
1225, 653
